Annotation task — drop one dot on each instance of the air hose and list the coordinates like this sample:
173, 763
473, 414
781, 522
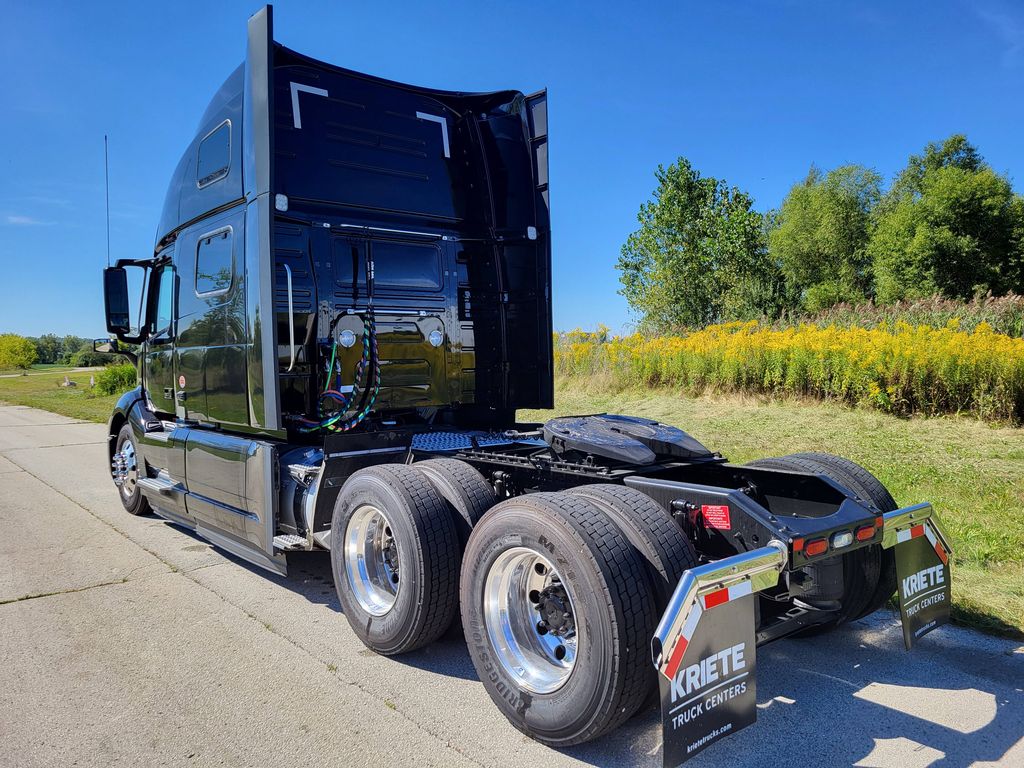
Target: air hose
334, 420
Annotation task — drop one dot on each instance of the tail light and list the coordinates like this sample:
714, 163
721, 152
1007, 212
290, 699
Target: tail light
816, 547
865, 532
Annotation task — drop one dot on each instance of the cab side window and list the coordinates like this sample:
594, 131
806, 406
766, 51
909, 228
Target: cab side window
214, 155
214, 264
164, 301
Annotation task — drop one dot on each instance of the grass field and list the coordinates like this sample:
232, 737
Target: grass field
40, 389
972, 473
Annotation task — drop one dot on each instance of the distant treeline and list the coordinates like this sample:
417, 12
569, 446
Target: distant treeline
20, 352
67, 350
947, 226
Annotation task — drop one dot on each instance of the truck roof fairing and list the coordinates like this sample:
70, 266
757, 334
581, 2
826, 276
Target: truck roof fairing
262, 103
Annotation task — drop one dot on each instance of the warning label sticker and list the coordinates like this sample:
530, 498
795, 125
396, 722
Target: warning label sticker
716, 516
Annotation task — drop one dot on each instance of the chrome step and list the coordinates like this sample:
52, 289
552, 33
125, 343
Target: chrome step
289, 541
160, 484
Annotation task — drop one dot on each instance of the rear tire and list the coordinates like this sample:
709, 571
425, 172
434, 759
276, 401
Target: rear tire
463, 487
870, 489
560, 558
131, 495
869, 574
656, 536
649, 528
395, 558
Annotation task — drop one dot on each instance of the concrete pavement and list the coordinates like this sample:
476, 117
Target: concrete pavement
127, 641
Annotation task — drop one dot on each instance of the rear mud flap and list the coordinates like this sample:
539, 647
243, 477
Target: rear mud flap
704, 647
922, 569
705, 654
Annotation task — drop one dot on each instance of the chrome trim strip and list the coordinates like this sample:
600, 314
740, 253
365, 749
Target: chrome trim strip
388, 231
907, 517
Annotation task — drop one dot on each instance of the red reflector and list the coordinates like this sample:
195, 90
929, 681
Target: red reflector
879, 522
816, 547
676, 658
798, 545
716, 598
917, 530
865, 532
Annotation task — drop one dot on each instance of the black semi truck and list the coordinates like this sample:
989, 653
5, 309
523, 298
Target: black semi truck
348, 300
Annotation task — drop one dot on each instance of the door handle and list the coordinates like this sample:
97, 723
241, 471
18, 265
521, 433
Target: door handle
168, 393
180, 396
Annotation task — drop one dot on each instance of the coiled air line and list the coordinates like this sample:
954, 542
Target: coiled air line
332, 404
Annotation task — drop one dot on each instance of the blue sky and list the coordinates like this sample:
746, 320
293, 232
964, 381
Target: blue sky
753, 92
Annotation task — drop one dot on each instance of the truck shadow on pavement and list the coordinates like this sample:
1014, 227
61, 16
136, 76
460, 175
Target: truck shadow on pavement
852, 697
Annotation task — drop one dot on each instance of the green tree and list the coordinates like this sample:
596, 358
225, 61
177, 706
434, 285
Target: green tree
49, 347
950, 225
821, 238
16, 351
699, 255
70, 346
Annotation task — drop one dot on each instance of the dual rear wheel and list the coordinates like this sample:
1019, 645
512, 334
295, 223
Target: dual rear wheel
559, 592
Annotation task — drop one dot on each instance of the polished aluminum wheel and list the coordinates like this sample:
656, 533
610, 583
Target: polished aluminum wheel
371, 560
531, 621
125, 469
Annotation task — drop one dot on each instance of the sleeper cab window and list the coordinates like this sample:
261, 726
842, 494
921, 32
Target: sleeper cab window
214, 263
214, 155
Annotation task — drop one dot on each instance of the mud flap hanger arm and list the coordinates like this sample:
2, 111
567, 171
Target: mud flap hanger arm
708, 585
908, 523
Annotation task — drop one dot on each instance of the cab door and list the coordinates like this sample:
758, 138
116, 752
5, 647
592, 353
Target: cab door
158, 367
210, 347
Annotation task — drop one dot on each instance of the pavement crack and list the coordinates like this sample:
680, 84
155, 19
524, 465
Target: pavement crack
7, 451
71, 591
107, 523
829, 677
353, 683
54, 424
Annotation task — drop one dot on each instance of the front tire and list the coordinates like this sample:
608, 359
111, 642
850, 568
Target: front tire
395, 558
126, 467
557, 613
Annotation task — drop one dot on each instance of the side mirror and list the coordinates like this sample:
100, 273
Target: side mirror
112, 347
115, 296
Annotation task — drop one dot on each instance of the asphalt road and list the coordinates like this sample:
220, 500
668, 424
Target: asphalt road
127, 641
